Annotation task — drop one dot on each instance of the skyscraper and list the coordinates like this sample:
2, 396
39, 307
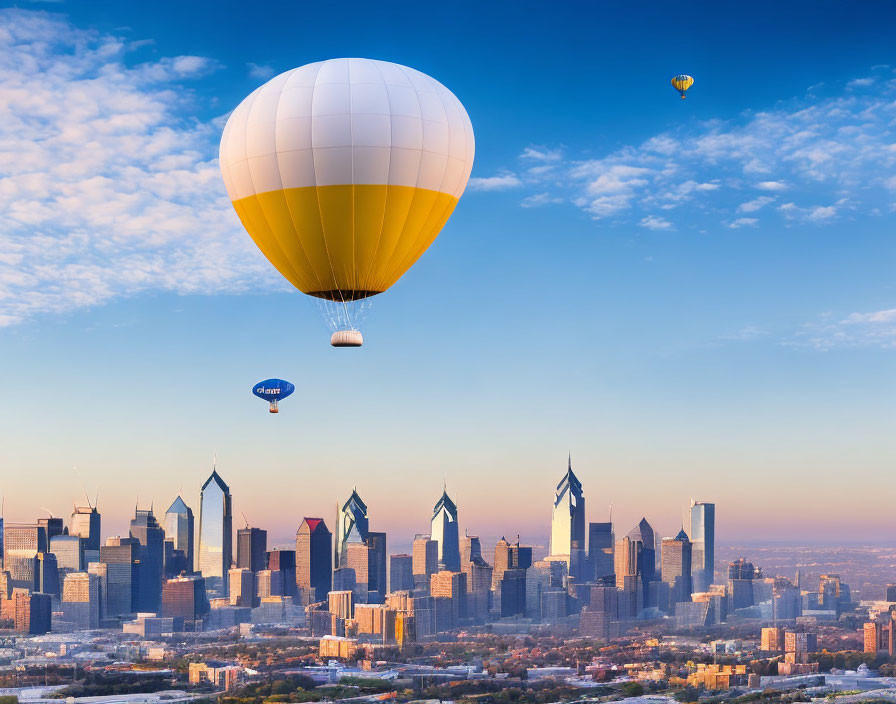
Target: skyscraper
703, 539
568, 521
51, 526
600, 549
22, 541
314, 562
215, 533
284, 563
179, 529
121, 557
146, 529
444, 532
643, 555
251, 548
183, 598
69, 552
401, 573
46, 574
85, 524
676, 567
424, 562
351, 526
81, 600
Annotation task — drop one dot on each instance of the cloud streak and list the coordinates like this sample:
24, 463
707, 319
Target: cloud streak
107, 190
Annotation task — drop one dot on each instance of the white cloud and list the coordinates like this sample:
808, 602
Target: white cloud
752, 206
260, 71
539, 199
872, 329
652, 222
107, 190
501, 182
742, 222
542, 154
861, 82
771, 186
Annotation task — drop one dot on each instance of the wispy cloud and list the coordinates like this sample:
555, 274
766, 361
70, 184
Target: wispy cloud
107, 189
832, 157
261, 71
653, 222
500, 182
872, 329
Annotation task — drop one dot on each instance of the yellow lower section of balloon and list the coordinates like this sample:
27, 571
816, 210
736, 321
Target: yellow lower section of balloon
344, 242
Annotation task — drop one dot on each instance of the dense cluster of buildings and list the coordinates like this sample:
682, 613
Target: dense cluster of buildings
169, 576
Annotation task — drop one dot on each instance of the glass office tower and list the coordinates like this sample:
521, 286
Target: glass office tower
703, 540
215, 533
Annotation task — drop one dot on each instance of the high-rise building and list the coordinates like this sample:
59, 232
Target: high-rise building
352, 526
81, 600
284, 562
51, 526
772, 640
341, 604
100, 570
401, 573
251, 548
22, 541
445, 533
85, 524
184, 599
121, 557
510, 557
314, 561
215, 533
451, 585
600, 549
69, 552
46, 574
479, 578
146, 529
424, 561
32, 613
643, 555
703, 540
740, 583
242, 587
568, 522
676, 567
179, 529
269, 583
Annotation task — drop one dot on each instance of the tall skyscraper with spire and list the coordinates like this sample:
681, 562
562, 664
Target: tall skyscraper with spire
444, 532
179, 529
703, 539
568, 521
351, 527
215, 533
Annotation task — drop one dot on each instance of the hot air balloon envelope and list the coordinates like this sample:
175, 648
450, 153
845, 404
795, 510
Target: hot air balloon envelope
343, 172
681, 83
272, 391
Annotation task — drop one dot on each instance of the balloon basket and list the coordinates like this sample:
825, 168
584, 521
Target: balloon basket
347, 338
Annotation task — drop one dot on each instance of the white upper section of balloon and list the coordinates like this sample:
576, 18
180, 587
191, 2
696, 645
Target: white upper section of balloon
348, 121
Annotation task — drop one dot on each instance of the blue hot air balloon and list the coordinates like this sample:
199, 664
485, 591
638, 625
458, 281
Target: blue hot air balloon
273, 390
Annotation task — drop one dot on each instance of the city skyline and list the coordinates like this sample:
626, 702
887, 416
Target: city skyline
681, 299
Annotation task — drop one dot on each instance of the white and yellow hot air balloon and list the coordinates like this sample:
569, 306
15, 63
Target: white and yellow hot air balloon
344, 172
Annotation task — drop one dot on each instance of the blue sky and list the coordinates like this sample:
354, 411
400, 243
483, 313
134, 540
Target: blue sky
693, 297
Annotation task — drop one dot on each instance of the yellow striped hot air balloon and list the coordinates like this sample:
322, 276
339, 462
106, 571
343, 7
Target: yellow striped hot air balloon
681, 83
344, 172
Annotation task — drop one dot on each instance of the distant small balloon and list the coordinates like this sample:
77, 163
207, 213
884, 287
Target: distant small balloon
681, 83
272, 391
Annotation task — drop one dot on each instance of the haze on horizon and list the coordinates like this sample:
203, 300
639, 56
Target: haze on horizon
695, 298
